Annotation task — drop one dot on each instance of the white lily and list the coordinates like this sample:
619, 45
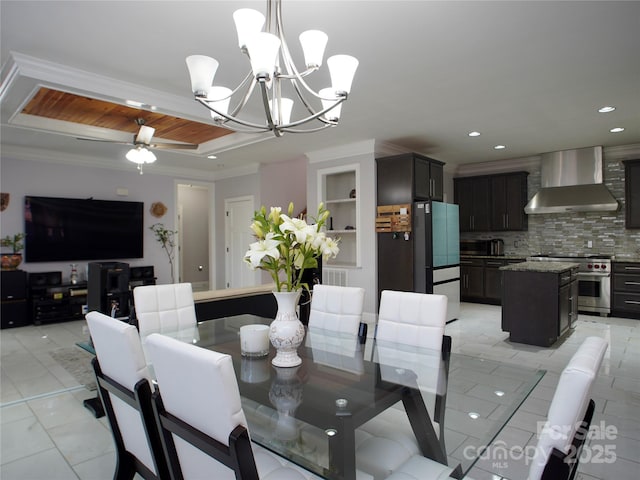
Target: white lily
298, 227
329, 248
262, 248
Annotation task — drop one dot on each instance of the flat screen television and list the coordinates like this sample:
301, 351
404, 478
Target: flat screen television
68, 229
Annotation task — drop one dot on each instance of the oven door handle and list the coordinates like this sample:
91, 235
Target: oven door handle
583, 275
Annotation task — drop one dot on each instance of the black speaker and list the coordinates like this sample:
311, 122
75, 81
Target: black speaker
141, 273
14, 285
45, 279
108, 288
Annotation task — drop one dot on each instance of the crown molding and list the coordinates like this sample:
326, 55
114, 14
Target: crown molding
498, 166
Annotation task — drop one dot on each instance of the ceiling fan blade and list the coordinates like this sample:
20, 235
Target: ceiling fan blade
174, 146
103, 141
144, 135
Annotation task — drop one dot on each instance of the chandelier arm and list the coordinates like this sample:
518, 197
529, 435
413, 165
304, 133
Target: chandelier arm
264, 128
265, 102
309, 130
247, 94
316, 116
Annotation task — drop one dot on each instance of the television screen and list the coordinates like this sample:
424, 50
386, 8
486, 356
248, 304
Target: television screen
67, 229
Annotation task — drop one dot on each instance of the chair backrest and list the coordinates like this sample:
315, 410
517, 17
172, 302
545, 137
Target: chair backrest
568, 407
164, 308
411, 318
120, 358
212, 404
336, 308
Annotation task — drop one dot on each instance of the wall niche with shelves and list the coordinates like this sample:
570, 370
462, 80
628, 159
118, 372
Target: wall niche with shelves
338, 189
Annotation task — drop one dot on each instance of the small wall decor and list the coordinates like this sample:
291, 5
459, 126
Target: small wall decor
4, 201
158, 209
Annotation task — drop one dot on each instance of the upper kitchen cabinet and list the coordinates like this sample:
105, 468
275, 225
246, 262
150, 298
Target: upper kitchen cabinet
409, 177
632, 193
492, 202
339, 188
508, 199
472, 196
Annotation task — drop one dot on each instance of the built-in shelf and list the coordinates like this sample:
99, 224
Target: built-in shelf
338, 188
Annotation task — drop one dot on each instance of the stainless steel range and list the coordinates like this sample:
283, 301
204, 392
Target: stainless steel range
594, 280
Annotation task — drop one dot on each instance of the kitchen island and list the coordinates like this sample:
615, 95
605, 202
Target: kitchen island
539, 301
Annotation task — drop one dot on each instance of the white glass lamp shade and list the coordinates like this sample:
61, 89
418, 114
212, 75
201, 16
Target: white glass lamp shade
202, 70
248, 22
219, 98
342, 69
263, 50
287, 106
328, 99
140, 155
313, 44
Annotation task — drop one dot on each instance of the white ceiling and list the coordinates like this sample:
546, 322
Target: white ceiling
529, 75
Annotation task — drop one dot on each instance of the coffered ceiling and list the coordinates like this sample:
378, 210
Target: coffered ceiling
528, 75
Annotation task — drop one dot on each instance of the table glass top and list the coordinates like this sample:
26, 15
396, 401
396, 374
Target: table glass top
297, 411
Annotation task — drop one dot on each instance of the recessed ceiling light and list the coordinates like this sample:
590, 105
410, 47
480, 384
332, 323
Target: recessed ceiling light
212, 157
474, 134
133, 103
499, 393
499, 147
606, 109
474, 415
617, 130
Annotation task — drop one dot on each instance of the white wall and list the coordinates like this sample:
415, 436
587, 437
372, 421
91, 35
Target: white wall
22, 177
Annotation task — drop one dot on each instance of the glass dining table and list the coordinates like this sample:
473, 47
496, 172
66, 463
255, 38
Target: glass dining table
313, 414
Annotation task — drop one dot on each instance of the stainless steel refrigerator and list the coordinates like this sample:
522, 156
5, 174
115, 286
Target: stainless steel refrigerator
426, 260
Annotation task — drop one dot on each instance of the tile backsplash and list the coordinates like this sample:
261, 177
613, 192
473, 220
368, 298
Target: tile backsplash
569, 233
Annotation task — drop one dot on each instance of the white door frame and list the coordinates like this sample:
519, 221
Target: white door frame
212, 238
227, 239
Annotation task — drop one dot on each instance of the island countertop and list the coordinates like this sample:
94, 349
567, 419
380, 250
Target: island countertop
544, 267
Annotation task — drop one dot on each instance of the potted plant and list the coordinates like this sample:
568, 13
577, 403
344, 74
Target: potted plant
165, 238
285, 247
11, 261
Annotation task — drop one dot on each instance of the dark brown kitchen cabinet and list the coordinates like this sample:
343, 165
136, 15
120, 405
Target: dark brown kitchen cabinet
471, 279
493, 281
626, 289
408, 177
472, 196
508, 199
632, 193
537, 307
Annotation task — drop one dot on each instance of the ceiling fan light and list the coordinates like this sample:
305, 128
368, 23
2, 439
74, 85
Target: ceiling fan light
248, 22
327, 94
147, 155
313, 44
287, 106
342, 69
263, 50
219, 98
133, 156
140, 155
202, 70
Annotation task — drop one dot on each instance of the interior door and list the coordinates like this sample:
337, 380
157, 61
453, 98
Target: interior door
238, 214
193, 235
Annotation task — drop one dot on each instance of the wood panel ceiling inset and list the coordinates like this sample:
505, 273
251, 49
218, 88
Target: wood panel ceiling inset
69, 107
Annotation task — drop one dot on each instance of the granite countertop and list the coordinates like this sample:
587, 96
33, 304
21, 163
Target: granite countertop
545, 267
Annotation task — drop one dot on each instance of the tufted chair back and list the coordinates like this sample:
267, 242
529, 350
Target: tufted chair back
569, 408
199, 390
119, 357
335, 308
164, 308
410, 318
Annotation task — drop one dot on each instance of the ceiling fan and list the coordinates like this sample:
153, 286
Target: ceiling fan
143, 138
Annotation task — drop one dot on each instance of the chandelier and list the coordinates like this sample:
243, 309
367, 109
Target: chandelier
272, 71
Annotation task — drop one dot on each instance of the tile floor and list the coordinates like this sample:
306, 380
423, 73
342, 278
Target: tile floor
47, 434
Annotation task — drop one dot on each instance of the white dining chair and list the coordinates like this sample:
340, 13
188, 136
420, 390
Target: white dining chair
560, 443
165, 308
335, 308
124, 387
205, 431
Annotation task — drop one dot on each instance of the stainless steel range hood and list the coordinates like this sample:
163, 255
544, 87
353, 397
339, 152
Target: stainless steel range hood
571, 181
